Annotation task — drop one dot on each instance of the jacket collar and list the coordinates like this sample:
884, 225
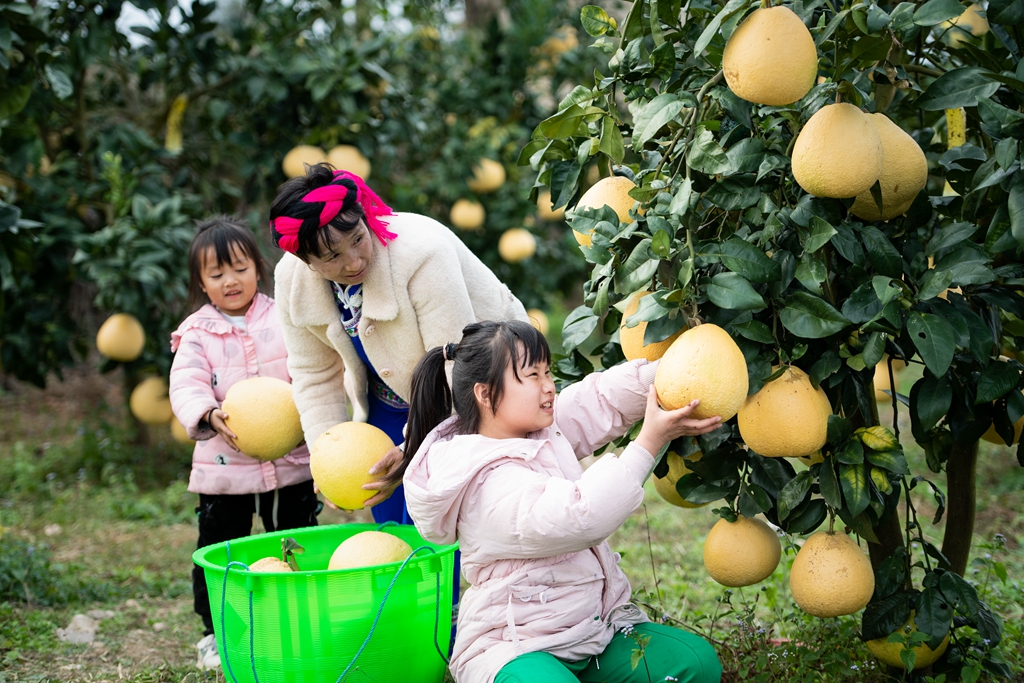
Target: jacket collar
313, 301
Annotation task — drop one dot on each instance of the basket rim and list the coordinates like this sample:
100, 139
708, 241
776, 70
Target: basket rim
199, 555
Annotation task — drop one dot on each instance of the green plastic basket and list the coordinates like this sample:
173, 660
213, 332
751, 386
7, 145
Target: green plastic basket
309, 626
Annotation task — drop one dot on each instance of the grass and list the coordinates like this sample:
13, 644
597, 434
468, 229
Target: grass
87, 524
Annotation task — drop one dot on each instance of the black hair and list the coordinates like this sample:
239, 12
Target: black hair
227, 235
313, 239
486, 349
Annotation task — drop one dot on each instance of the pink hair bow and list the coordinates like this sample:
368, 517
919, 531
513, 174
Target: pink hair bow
333, 198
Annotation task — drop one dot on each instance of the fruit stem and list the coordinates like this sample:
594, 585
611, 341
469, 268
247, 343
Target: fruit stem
831, 521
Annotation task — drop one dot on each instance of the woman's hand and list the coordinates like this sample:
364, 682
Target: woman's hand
662, 426
386, 485
217, 417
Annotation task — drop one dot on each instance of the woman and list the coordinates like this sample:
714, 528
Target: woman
362, 294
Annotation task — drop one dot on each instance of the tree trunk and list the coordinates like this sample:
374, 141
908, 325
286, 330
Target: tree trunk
479, 12
960, 503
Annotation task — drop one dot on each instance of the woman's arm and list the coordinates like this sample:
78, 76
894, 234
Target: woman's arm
317, 373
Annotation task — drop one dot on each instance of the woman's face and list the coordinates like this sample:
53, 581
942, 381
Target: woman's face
347, 260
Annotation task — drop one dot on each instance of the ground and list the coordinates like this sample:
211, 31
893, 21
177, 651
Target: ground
77, 500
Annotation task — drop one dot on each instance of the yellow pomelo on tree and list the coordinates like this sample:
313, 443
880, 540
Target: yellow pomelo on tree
516, 244
788, 417
632, 338
178, 431
770, 58
677, 469
544, 208
703, 363
882, 377
488, 176
831, 576
838, 153
121, 338
262, 414
149, 403
467, 214
904, 173
340, 462
612, 191
970, 22
349, 158
270, 565
889, 653
295, 161
741, 553
538, 319
368, 549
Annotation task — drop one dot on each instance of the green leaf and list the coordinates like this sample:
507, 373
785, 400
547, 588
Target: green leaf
637, 269
746, 155
1015, 206
820, 234
889, 577
565, 123
14, 100
1006, 12
874, 349
660, 244
744, 258
611, 140
596, 21
995, 382
794, 492
851, 452
962, 594
578, 326
937, 11
755, 330
734, 194
854, 480
949, 236
886, 615
958, 88
829, 485
709, 32
884, 256
892, 461
933, 283
933, 338
862, 305
934, 615
733, 291
827, 364
706, 155
810, 317
653, 116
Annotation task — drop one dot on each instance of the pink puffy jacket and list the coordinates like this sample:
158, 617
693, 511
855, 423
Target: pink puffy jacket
211, 354
532, 525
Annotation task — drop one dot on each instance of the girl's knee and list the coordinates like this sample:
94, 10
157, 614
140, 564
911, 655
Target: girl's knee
686, 657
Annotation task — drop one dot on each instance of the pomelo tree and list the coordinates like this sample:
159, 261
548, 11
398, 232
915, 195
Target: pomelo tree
727, 236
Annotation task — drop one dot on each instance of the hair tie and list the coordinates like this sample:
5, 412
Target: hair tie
286, 229
448, 351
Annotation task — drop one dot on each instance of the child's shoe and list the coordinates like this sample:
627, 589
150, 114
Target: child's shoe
209, 658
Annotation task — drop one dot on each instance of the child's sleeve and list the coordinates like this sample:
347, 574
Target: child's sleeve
191, 387
604, 405
529, 514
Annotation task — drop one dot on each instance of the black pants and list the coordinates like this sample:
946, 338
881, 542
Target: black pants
227, 517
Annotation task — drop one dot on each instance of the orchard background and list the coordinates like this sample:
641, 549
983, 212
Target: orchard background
113, 139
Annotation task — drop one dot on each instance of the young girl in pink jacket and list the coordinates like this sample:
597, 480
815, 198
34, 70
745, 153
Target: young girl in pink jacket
235, 335
502, 477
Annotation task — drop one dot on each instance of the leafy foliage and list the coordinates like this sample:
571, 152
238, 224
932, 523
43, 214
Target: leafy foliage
728, 237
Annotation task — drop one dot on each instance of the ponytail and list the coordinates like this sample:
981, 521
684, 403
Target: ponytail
431, 401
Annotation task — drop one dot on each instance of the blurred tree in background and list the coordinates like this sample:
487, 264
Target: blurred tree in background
112, 140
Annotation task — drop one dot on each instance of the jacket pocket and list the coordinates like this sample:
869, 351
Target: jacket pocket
552, 600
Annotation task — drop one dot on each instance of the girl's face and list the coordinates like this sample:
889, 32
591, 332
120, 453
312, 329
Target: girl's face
348, 258
230, 286
527, 404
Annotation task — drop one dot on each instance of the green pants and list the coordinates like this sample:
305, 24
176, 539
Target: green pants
669, 655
